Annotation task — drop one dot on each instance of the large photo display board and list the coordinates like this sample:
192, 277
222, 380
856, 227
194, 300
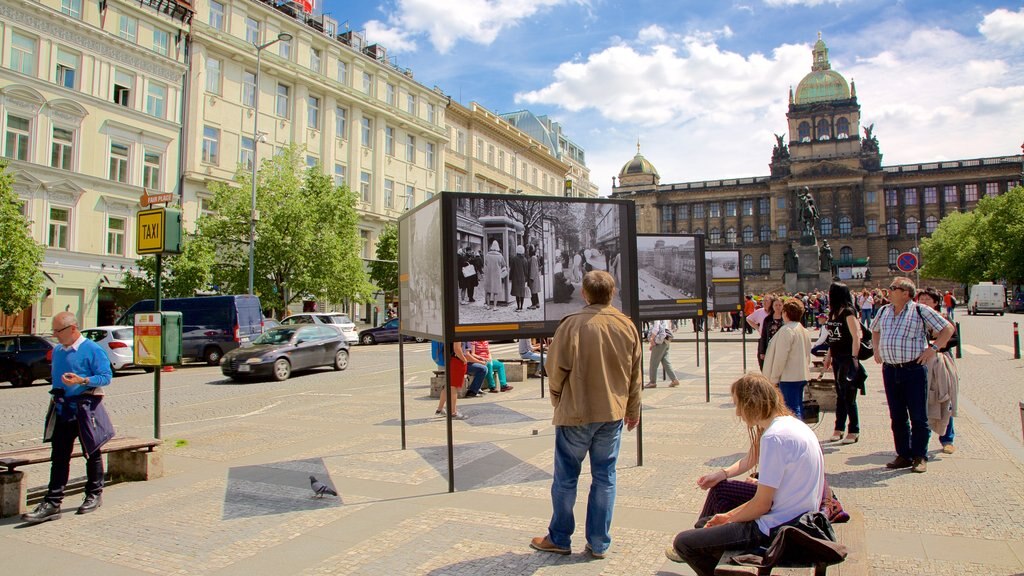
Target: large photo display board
724, 280
670, 276
515, 264
420, 276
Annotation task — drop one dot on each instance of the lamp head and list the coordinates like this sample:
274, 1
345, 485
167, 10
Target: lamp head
284, 37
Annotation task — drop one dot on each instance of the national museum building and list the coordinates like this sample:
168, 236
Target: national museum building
869, 213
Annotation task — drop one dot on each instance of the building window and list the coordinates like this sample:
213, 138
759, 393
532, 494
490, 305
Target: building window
730, 208
870, 197
992, 189
313, 112
410, 196
748, 234
339, 175
480, 151
213, 75
846, 255
714, 210
156, 99
666, 219
930, 196
460, 144
364, 186
430, 155
845, 225
766, 262
971, 192
341, 123
912, 225
410, 104
62, 149
389, 94
118, 169
766, 233
431, 113
123, 85
892, 227
699, 231
780, 203
67, 69
364, 241
285, 50
910, 197
872, 225
822, 132
891, 197
682, 212
748, 262
715, 236
60, 223
211, 145
389, 193
763, 206
747, 208
161, 42
216, 15
804, 132
782, 231
342, 73
23, 54
311, 161
252, 31
842, 128
730, 235
826, 226
128, 28
367, 83
698, 211
367, 132
151, 170
951, 196
930, 224
490, 154
389, 140
248, 88
893, 255
460, 182
17, 138
71, 8
115, 236
284, 105
410, 148
316, 59
247, 153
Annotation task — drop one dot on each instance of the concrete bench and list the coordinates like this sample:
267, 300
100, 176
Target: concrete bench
437, 383
128, 459
517, 369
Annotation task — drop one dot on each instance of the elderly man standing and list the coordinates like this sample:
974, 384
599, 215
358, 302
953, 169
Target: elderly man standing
80, 369
900, 333
594, 366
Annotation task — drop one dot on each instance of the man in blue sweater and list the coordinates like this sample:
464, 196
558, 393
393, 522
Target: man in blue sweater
80, 367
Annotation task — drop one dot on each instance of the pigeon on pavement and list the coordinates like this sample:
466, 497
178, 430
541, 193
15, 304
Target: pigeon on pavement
319, 488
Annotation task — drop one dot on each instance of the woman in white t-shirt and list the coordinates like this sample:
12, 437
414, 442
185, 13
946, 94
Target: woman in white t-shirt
790, 483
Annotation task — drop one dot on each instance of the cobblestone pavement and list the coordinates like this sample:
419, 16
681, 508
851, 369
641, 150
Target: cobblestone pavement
235, 498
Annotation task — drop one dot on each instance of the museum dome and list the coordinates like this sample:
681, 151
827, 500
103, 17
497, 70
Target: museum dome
822, 84
638, 165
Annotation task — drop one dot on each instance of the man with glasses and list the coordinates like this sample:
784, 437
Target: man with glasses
80, 369
900, 332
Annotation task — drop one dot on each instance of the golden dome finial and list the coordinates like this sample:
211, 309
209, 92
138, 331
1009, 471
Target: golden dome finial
637, 144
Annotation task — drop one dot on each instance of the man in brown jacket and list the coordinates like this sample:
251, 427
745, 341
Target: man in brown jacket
594, 366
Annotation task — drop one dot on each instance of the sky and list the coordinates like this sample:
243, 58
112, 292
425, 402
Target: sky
704, 84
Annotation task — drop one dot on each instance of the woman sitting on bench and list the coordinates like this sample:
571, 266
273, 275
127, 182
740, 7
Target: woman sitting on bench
742, 514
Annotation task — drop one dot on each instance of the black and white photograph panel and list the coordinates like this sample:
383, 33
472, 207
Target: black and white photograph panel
500, 265
725, 264
421, 291
667, 268
580, 237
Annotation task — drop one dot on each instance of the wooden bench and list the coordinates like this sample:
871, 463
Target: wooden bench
128, 459
517, 369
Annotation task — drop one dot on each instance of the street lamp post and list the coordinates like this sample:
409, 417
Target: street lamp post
282, 37
515, 166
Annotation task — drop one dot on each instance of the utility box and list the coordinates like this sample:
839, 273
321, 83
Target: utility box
157, 338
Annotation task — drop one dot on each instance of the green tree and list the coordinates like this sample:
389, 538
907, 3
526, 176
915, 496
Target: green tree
384, 270
183, 274
307, 236
21, 276
1005, 235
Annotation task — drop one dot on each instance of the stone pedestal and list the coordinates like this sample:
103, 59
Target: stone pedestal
13, 494
808, 276
132, 465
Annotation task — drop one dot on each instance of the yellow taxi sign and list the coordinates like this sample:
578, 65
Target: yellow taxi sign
150, 237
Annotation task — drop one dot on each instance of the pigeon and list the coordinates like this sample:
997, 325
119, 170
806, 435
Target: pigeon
319, 488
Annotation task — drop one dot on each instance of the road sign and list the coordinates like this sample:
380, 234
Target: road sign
148, 199
158, 231
907, 262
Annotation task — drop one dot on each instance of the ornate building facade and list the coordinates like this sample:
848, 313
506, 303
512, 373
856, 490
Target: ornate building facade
869, 213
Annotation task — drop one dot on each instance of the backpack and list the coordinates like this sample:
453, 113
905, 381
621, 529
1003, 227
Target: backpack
952, 301
437, 352
867, 349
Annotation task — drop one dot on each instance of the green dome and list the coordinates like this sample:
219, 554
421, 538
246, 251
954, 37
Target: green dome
638, 165
823, 84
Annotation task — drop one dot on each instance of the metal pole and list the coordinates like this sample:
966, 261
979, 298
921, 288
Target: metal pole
743, 324
401, 381
1016, 342
159, 367
255, 157
542, 370
448, 390
707, 366
696, 340
958, 340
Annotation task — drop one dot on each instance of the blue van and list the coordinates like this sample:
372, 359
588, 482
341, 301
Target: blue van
211, 325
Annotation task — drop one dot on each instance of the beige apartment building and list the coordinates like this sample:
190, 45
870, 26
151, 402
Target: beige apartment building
90, 95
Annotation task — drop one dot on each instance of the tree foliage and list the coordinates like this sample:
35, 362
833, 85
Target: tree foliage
21, 277
307, 238
983, 244
182, 274
384, 270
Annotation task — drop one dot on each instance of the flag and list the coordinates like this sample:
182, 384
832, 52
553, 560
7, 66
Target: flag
307, 6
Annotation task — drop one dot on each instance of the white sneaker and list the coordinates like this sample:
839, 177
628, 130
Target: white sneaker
459, 416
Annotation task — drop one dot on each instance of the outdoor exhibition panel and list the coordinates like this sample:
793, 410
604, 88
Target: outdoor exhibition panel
670, 276
724, 281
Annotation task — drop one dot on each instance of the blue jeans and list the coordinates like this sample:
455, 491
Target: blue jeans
793, 394
535, 356
572, 443
479, 372
947, 438
906, 391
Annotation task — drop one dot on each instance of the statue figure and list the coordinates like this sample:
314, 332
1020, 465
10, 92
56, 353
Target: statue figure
870, 142
826, 256
808, 212
781, 151
791, 259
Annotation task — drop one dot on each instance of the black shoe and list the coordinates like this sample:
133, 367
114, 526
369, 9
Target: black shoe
92, 502
44, 511
898, 463
473, 394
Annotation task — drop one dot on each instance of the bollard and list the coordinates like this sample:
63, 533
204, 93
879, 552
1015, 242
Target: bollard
960, 338
1021, 404
1016, 342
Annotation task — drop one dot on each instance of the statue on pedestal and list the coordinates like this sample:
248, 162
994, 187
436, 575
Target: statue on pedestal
791, 260
808, 212
826, 257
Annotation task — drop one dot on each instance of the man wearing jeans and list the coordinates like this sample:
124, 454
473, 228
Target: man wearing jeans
594, 366
900, 341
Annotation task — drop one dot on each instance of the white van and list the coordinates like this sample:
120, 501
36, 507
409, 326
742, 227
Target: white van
987, 297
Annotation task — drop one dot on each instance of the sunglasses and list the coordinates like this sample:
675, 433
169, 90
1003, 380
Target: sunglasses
63, 329
901, 288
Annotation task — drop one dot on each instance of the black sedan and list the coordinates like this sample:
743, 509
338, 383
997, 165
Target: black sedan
25, 359
386, 332
279, 351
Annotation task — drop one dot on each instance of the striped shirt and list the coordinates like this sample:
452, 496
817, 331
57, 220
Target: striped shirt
904, 336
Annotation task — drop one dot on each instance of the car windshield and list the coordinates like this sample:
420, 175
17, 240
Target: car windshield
276, 336
94, 335
336, 319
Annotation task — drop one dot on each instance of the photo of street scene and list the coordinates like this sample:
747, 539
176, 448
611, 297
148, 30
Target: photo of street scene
725, 290
422, 285
669, 275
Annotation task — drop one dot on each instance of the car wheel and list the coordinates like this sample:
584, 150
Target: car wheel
21, 377
368, 339
420, 340
212, 355
341, 360
282, 370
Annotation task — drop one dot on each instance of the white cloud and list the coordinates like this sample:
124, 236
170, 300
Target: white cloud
778, 3
395, 39
1004, 26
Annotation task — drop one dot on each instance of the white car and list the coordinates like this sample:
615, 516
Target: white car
340, 322
117, 342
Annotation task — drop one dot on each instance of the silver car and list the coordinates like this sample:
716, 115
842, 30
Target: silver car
117, 342
340, 322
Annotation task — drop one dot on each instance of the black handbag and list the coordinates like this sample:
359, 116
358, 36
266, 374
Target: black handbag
94, 425
867, 350
811, 411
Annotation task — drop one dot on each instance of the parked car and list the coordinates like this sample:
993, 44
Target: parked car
340, 322
25, 359
211, 325
1017, 304
386, 332
987, 297
269, 323
278, 352
117, 341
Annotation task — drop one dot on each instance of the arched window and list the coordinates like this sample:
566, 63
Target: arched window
748, 234
845, 225
912, 225
826, 226
930, 224
804, 131
822, 132
699, 231
846, 255
730, 235
766, 233
893, 255
766, 262
715, 236
842, 128
748, 263
892, 227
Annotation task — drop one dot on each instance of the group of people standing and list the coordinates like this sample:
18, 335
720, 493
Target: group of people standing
522, 272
